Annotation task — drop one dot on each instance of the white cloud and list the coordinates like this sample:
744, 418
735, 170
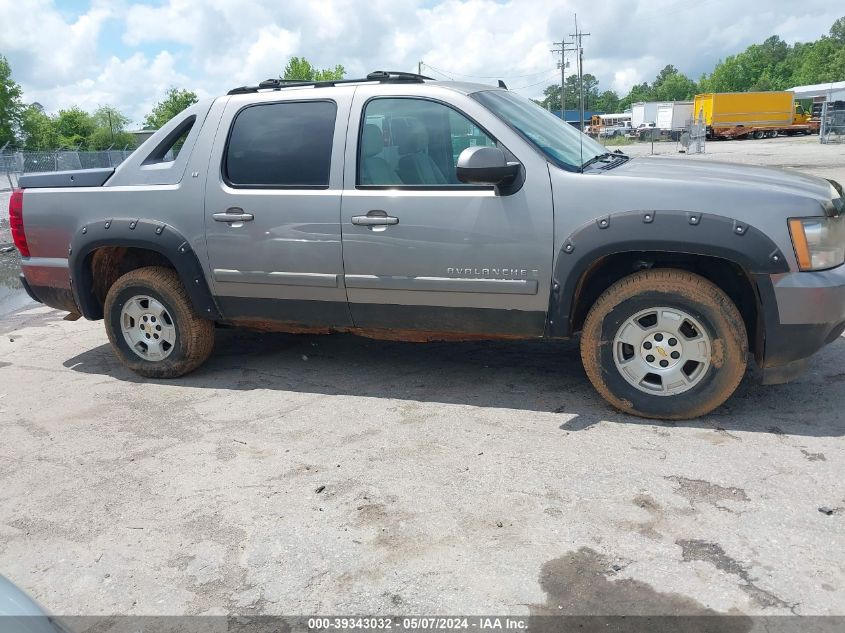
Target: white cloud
117, 84
213, 45
626, 78
45, 48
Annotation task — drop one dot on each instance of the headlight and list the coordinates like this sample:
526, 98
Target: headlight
819, 242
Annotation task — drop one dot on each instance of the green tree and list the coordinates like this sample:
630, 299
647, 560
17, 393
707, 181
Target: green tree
672, 85
607, 102
775, 65
173, 103
300, 69
110, 129
38, 129
10, 103
74, 127
551, 100
837, 31
639, 92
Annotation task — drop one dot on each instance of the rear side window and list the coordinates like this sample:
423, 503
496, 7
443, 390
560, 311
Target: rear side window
285, 145
169, 148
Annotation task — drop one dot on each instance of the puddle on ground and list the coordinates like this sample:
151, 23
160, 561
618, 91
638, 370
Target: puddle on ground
580, 585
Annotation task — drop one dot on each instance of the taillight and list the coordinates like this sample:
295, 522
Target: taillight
16, 222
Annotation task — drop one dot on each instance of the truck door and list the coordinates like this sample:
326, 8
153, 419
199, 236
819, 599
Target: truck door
425, 252
273, 208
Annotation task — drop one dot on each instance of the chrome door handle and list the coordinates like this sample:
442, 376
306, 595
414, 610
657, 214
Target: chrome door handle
234, 214
374, 218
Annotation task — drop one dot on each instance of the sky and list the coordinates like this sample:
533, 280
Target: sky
127, 54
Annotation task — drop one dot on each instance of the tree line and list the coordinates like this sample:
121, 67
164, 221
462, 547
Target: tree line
771, 65
29, 127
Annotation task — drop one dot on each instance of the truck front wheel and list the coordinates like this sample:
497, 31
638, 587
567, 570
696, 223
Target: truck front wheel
152, 326
664, 343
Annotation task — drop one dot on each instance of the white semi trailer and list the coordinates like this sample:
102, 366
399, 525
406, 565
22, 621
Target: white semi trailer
643, 114
674, 116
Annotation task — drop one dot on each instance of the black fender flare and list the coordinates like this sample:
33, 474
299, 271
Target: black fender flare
136, 233
676, 232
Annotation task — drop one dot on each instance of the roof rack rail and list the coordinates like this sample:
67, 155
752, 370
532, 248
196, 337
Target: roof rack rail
382, 76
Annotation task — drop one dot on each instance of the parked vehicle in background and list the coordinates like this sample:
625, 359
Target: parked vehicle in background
400, 207
673, 117
659, 119
645, 131
643, 113
611, 131
610, 125
730, 115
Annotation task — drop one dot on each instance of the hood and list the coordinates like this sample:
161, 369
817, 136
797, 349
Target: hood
715, 173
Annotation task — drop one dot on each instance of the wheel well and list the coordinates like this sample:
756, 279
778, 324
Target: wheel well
108, 263
727, 275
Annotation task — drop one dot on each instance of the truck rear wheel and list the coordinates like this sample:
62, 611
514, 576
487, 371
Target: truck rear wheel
152, 326
664, 344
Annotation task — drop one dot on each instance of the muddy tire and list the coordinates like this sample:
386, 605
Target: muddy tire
152, 326
664, 344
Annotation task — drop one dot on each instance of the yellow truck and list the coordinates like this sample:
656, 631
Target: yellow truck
752, 114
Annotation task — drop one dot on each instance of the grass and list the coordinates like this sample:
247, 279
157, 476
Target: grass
616, 141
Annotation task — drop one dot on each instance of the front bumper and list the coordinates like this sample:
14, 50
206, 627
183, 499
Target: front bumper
801, 313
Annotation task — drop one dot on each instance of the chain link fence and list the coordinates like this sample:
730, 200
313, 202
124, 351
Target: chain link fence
13, 164
832, 128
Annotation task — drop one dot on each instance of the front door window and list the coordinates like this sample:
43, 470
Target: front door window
414, 142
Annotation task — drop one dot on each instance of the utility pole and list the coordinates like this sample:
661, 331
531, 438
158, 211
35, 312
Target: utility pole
562, 48
578, 35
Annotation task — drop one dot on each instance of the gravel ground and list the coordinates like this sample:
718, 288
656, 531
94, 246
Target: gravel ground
803, 153
305, 474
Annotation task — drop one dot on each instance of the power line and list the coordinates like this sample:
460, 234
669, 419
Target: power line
439, 72
542, 81
447, 73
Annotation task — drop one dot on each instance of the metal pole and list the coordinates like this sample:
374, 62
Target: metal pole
562, 83
579, 35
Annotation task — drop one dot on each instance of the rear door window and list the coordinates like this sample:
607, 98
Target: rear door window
281, 145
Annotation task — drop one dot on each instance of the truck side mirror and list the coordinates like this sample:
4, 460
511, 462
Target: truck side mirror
482, 165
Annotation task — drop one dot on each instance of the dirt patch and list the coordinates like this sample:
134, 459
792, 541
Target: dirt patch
813, 457
700, 491
648, 528
581, 584
697, 550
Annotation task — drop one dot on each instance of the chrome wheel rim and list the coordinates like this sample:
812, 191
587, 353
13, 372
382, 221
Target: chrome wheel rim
662, 351
148, 328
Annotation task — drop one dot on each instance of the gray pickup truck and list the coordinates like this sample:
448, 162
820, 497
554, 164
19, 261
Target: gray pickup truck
400, 207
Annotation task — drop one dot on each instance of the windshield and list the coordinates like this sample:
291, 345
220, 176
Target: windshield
559, 141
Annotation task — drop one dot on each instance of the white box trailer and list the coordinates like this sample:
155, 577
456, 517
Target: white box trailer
643, 113
673, 116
